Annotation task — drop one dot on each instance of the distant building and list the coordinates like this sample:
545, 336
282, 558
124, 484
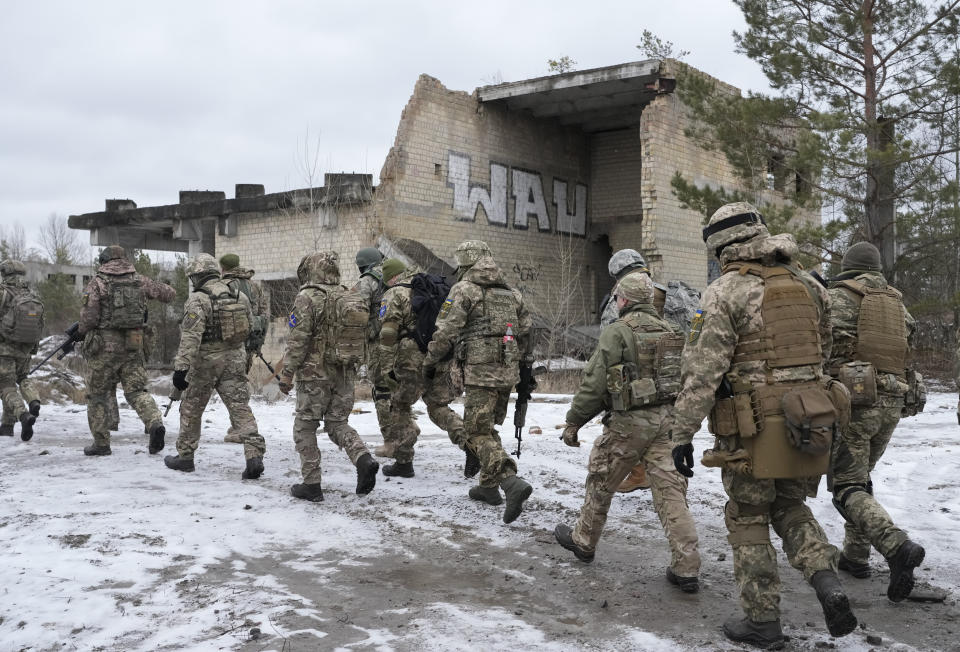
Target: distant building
78, 275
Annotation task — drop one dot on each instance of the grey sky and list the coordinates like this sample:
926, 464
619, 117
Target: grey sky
143, 99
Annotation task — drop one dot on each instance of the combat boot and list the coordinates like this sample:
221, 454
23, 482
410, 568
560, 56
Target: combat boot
489, 495
766, 636
387, 450
471, 466
367, 469
857, 569
836, 606
156, 432
517, 490
685, 584
564, 536
178, 463
35, 408
6, 430
403, 470
907, 557
26, 426
637, 479
233, 438
94, 449
254, 468
311, 492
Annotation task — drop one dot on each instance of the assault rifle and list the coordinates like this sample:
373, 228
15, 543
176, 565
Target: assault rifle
65, 349
175, 395
524, 390
272, 370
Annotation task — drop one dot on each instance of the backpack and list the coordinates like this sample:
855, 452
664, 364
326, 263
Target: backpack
22, 319
229, 323
428, 294
681, 305
124, 304
346, 316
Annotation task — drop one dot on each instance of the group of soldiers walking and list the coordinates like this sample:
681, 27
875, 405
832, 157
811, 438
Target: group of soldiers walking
798, 378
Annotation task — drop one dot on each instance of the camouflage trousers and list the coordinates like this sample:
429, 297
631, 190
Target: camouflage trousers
752, 507
104, 370
381, 402
854, 456
223, 371
329, 401
483, 408
628, 439
437, 396
15, 387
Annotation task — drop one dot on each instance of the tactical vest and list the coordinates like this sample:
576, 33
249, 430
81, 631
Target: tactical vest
22, 319
790, 335
653, 377
490, 338
228, 322
124, 304
881, 327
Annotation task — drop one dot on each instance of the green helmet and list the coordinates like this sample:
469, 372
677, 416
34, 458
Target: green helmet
229, 261
113, 252
203, 265
470, 251
11, 267
862, 255
732, 223
320, 267
368, 257
635, 288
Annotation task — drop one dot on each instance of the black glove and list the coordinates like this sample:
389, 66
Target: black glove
73, 332
683, 459
180, 379
429, 372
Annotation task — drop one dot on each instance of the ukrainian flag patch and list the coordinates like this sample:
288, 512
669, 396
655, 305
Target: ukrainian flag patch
445, 308
696, 325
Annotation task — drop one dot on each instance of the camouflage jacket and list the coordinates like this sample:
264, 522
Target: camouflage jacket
731, 308
98, 288
616, 346
239, 277
307, 338
11, 285
463, 324
371, 288
844, 316
197, 317
397, 351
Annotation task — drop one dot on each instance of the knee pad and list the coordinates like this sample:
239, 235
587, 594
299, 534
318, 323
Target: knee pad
843, 493
747, 525
789, 513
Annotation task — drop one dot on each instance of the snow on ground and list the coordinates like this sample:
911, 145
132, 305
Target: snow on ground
121, 553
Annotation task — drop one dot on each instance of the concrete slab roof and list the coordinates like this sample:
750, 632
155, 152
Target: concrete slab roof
599, 99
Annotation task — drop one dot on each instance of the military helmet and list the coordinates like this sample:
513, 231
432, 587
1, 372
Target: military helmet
10, 267
320, 267
229, 261
624, 260
731, 223
113, 252
635, 288
367, 257
203, 265
470, 251
862, 255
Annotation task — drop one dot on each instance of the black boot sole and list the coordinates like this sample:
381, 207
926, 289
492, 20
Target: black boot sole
836, 611
156, 440
391, 473
901, 582
515, 505
859, 571
26, 428
568, 544
471, 467
367, 480
758, 643
313, 498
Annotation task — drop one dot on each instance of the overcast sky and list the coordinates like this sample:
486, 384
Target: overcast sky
140, 100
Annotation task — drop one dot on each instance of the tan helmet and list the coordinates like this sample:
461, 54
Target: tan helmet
113, 252
10, 267
470, 251
320, 267
635, 288
203, 265
731, 223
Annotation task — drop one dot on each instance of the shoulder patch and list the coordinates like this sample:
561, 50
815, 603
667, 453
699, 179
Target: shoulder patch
189, 319
696, 325
383, 308
292, 321
445, 308
85, 299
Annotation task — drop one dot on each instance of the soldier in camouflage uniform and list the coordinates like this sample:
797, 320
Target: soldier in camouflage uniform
111, 326
325, 388
763, 330
15, 353
371, 287
237, 279
401, 363
215, 325
485, 324
631, 429
870, 326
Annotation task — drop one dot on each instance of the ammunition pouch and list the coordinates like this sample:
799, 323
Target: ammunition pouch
491, 349
860, 379
916, 397
133, 340
628, 392
811, 419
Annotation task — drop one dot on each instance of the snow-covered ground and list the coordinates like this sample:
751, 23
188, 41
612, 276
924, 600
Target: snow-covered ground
120, 553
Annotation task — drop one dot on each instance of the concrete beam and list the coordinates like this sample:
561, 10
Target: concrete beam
580, 78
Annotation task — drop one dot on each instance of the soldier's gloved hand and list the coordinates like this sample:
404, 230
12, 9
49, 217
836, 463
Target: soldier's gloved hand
429, 373
569, 435
390, 382
180, 379
683, 459
285, 384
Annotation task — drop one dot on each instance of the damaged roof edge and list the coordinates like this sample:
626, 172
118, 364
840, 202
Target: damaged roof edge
578, 78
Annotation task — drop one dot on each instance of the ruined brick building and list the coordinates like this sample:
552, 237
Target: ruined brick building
555, 173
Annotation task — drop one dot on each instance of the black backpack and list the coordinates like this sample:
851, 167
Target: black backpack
429, 293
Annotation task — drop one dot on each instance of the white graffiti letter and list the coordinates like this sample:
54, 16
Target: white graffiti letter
575, 223
465, 198
528, 200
